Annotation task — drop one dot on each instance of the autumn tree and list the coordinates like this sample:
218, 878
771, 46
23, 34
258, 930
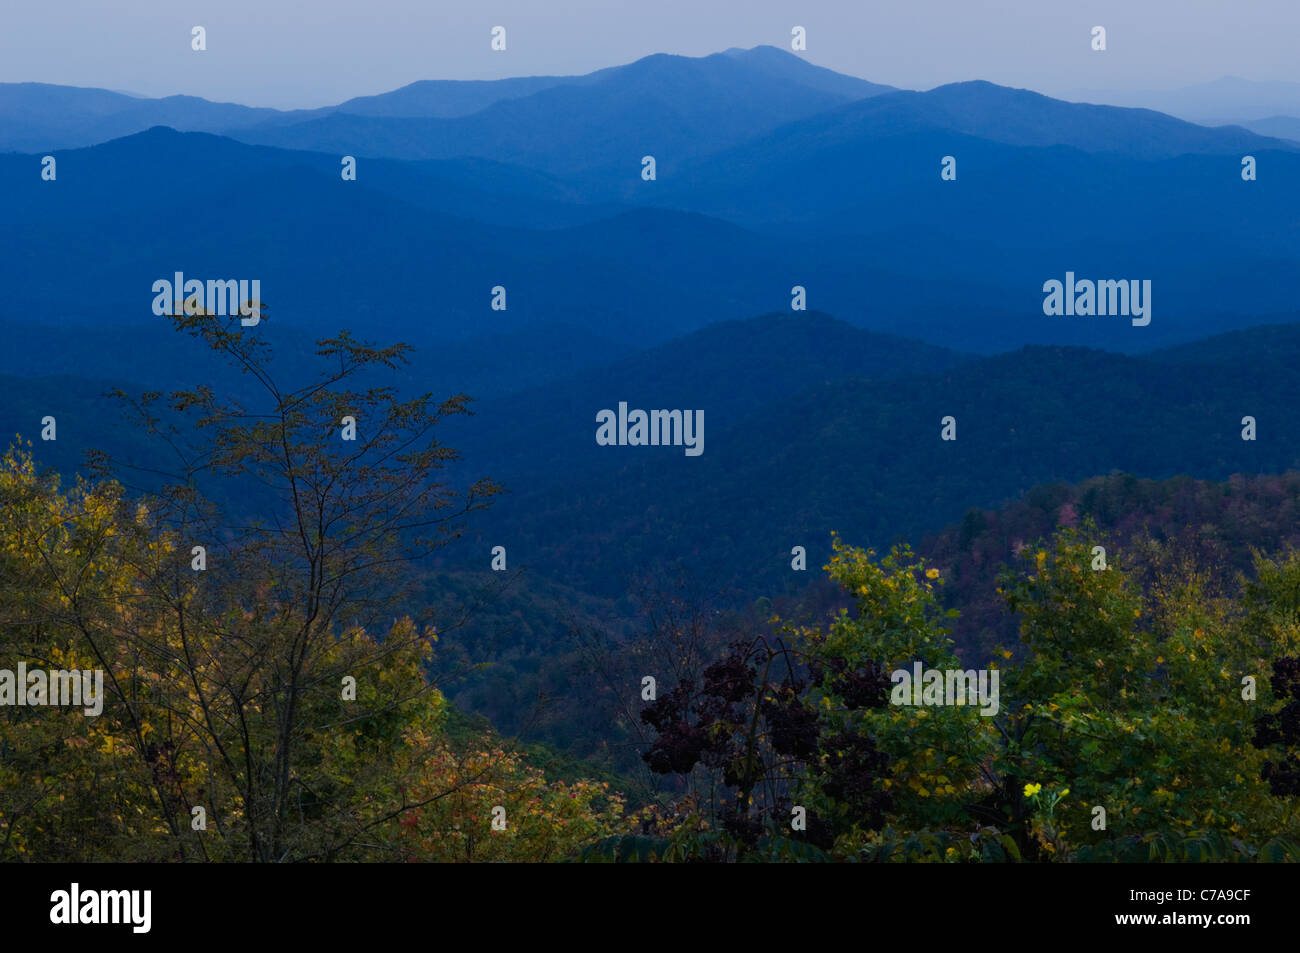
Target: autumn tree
267, 700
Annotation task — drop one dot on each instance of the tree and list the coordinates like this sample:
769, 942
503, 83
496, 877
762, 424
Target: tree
1130, 697
1123, 729
225, 667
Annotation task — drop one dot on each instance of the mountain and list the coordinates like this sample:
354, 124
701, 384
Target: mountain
810, 426
331, 253
672, 107
44, 117
872, 147
168, 169
779, 64
547, 122
1229, 99
866, 458
685, 111
448, 99
1042, 187
441, 98
39, 117
866, 226
1021, 117
1279, 127
1271, 350
846, 202
732, 368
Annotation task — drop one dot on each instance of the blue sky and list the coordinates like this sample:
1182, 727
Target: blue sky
302, 53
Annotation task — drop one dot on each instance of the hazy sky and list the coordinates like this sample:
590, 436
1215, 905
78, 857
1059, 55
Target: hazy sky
289, 53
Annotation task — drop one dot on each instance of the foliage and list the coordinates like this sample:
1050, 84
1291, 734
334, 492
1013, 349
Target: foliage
1124, 729
263, 701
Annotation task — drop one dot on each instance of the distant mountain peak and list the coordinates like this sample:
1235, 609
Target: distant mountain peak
763, 49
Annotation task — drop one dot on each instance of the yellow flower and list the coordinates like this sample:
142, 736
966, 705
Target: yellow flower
1032, 789
932, 574
1065, 792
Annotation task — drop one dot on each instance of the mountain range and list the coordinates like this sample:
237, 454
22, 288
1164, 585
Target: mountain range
771, 174
511, 231
1227, 100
